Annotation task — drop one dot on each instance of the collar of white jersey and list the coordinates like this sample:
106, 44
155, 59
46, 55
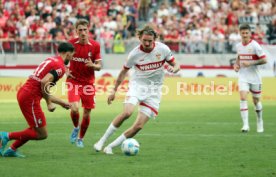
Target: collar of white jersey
245, 44
142, 48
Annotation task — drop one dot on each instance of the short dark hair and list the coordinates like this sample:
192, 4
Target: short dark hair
245, 27
81, 21
65, 47
147, 30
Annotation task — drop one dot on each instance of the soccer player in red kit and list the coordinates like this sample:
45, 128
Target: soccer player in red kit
29, 96
80, 81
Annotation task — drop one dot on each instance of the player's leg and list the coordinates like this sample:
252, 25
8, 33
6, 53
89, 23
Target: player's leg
84, 126
35, 117
74, 98
141, 120
87, 95
256, 91
243, 89
148, 108
23, 137
129, 108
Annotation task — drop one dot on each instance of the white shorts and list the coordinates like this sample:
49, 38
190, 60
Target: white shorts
148, 106
255, 89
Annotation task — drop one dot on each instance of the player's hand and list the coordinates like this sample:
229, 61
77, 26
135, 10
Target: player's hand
90, 64
68, 74
246, 64
51, 107
173, 69
111, 97
236, 67
66, 105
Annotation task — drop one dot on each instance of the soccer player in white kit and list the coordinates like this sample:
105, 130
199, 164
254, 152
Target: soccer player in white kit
145, 84
249, 56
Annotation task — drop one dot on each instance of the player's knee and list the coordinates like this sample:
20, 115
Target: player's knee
42, 136
75, 110
126, 114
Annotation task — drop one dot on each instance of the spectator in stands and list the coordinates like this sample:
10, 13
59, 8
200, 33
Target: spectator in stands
155, 18
217, 41
272, 32
118, 44
107, 36
143, 8
162, 11
3, 19
234, 38
130, 11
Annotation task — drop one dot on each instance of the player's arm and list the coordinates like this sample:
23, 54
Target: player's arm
237, 64
261, 61
255, 62
97, 65
46, 83
119, 80
174, 66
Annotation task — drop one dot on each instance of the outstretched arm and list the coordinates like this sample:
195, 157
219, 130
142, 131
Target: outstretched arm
46, 84
119, 80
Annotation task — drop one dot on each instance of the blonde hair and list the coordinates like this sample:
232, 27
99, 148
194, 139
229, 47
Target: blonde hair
147, 30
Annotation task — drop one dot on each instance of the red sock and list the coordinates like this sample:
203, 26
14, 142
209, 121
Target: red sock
27, 134
84, 125
17, 144
75, 118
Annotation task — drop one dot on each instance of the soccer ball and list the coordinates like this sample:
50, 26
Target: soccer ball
130, 147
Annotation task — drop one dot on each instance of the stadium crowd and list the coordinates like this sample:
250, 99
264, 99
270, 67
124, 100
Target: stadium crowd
189, 26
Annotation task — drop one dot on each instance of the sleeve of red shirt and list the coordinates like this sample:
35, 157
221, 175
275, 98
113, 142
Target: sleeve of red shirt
98, 52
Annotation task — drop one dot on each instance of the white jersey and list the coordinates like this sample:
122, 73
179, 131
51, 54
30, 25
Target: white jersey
250, 52
148, 66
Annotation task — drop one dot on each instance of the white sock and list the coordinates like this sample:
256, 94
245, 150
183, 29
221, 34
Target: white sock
244, 112
109, 131
117, 141
259, 110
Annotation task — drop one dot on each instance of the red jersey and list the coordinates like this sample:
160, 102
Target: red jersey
83, 53
54, 65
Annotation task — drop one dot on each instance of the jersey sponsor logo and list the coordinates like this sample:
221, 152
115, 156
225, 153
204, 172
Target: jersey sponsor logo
248, 57
151, 66
84, 60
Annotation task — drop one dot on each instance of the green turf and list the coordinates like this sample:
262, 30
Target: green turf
188, 139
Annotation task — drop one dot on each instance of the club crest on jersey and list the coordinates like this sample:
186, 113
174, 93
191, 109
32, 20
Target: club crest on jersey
158, 56
89, 54
250, 50
59, 71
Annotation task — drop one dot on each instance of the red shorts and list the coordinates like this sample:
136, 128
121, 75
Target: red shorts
31, 109
85, 92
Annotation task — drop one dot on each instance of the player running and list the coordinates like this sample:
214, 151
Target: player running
148, 60
29, 96
249, 56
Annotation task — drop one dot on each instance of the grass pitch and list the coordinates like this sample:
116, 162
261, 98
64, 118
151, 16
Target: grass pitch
188, 139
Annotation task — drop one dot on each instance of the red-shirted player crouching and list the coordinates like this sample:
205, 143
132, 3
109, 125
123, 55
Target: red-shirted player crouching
29, 96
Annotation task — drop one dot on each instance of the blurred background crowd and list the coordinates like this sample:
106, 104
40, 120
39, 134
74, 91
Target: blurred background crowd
187, 26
